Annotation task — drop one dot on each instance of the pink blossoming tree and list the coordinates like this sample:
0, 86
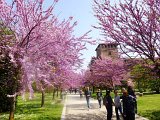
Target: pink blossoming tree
135, 25
105, 72
42, 44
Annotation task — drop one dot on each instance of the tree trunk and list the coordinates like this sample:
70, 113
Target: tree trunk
93, 89
57, 92
42, 102
157, 90
54, 92
139, 85
12, 108
157, 69
61, 94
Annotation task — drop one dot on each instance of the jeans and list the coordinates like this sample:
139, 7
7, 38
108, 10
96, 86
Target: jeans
88, 101
99, 101
109, 112
116, 110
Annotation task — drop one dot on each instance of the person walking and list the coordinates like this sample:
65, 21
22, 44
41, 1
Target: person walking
80, 93
128, 106
99, 97
75, 90
70, 90
132, 93
88, 95
117, 104
108, 102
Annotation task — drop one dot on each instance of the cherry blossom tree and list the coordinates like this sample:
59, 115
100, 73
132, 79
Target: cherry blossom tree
58, 49
46, 39
106, 72
87, 78
135, 25
40, 42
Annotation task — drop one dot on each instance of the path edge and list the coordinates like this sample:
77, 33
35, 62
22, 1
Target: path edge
64, 109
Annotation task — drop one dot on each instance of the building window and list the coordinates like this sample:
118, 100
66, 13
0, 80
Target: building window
109, 53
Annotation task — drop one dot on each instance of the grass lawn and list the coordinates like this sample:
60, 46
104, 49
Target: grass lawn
149, 106
31, 110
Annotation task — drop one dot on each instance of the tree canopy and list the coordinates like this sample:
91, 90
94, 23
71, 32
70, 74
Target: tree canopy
44, 46
134, 25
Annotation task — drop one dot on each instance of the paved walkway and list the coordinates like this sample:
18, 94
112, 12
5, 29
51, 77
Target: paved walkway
75, 108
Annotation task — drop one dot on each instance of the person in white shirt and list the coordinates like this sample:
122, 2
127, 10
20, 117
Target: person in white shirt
99, 97
88, 96
117, 104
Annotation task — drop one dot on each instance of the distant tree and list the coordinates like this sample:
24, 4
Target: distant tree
107, 72
154, 85
145, 78
141, 76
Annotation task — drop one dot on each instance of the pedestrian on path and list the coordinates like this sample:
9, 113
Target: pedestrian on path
117, 104
70, 90
128, 106
88, 95
108, 102
99, 97
132, 93
80, 93
75, 90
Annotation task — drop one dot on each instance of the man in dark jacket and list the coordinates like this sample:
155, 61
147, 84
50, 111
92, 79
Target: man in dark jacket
107, 101
128, 106
132, 93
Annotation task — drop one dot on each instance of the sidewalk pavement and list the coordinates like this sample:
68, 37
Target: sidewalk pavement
75, 108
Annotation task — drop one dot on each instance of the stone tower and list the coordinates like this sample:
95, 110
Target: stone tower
107, 50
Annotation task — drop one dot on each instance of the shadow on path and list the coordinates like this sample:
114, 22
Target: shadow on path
84, 117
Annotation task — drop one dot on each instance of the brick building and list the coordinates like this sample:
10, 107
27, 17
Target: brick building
111, 50
107, 50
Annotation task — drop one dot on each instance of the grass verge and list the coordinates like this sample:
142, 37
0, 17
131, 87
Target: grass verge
149, 106
31, 110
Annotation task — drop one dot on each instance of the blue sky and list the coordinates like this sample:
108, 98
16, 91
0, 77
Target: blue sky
82, 12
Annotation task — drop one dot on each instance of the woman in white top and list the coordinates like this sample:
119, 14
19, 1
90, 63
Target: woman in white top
117, 103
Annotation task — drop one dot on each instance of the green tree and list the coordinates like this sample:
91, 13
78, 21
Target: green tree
9, 83
145, 78
9, 72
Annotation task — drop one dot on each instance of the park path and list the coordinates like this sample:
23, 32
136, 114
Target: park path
75, 108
